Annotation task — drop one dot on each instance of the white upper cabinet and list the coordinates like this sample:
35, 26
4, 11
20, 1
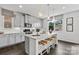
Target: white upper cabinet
32, 20
1, 20
22, 21
26, 19
18, 20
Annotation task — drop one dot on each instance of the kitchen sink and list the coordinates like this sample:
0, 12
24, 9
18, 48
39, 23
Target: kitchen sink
35, 35
1, 32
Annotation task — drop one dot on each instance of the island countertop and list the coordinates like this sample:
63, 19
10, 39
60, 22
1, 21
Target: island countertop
41, 37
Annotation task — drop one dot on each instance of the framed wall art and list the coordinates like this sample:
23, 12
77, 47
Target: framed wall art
69, 24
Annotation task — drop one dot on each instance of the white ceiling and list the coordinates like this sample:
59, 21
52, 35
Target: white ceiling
35, 9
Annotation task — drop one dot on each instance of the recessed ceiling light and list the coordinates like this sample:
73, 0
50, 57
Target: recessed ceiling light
20, 6
48, 17
40, 14
63, 7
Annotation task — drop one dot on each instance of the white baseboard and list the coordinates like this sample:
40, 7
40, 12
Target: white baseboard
69, 41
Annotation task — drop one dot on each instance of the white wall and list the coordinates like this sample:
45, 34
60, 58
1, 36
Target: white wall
70, 36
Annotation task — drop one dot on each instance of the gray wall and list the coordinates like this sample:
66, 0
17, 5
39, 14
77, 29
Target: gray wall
64, 35
70, 36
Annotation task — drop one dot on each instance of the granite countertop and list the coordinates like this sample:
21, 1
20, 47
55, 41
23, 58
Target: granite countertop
10, 31
41, 37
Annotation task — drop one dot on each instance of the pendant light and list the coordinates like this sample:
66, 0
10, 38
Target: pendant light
53, 20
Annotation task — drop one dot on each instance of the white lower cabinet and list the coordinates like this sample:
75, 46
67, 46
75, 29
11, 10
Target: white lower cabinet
12, 39
3, 41
18, 38
22, 37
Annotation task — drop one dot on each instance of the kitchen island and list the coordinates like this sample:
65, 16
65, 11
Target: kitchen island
38, 45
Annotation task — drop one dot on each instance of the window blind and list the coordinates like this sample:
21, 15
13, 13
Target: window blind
6, 12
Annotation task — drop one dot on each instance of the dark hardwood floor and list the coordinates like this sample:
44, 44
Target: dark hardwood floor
17, 49
63, 48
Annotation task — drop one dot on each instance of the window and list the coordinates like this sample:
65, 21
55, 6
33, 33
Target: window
51, 27
8, 14
7, 22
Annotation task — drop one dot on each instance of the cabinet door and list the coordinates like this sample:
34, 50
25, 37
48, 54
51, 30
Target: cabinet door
1, 21
22, 21
17, 20
12, 39
18, 38
27, 44
22, 37
3, 41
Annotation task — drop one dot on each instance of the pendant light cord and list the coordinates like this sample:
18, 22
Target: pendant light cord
48, 10
53, 13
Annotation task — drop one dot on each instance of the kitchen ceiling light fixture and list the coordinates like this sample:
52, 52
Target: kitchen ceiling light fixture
20, 6
40, 14
63, 7
52, 20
